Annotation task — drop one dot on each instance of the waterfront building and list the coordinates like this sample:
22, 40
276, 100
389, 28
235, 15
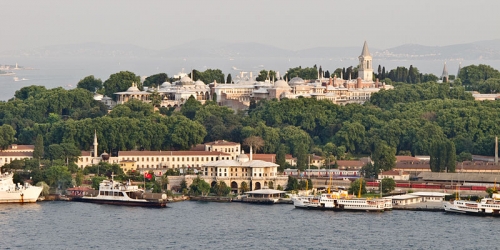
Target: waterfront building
16, 152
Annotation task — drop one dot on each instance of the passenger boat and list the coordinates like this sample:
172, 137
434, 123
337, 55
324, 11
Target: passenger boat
17, 193
116, 193
340, 201
486, 206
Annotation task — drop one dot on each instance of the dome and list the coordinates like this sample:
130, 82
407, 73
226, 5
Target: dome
105, 156
281, 84
243, 158
297, 81
186, 80
133, 88
166, 84
199, 83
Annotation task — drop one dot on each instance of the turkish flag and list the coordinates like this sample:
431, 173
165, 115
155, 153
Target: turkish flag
147, 176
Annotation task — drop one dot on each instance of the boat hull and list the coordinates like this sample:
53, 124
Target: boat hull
122, 202
28, 195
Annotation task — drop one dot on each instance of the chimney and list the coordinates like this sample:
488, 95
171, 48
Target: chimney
496, 150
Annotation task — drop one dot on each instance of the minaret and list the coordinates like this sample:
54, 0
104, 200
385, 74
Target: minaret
444, 76
459, 68
95, 144
365, 70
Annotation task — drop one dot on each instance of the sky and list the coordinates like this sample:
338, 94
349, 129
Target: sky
287, 24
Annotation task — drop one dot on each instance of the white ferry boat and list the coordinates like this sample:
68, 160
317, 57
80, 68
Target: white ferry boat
17, 193
487, 206
339, 201
116, 193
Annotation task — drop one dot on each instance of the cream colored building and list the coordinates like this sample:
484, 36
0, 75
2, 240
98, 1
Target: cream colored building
256, 173
16, 152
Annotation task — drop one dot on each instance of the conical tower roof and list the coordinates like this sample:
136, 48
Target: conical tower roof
365, 51
445, 71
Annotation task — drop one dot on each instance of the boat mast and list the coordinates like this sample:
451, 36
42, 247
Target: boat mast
360, 186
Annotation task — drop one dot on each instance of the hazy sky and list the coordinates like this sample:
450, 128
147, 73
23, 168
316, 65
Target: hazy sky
283, 23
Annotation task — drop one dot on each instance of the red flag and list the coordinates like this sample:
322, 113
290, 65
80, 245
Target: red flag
147, 176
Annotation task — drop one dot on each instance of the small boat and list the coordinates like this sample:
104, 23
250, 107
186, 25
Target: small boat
17, 193
116, 193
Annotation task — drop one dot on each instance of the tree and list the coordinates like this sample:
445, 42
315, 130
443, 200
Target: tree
254, 142
292, 184
355, 185
120, 81
387, 184
6, 136
199, 187
38, 151
384, 156
96, 181
58, 176
229, 78
244, 187
79, 178
155, 80
221, 189
443, 156
90, 83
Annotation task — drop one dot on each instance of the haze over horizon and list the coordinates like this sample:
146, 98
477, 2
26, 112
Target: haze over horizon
283, 24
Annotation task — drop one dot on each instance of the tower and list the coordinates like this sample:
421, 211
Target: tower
365, 70
445, 76
459, 68
95, 144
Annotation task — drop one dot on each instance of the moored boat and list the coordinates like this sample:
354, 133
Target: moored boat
115, 193
17, 193
340, 201
486, 206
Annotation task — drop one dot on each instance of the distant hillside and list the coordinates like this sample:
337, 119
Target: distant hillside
485, 50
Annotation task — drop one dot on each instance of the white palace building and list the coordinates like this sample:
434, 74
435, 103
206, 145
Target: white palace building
239, 94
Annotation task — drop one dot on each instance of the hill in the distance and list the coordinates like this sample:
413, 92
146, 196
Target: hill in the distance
484, 50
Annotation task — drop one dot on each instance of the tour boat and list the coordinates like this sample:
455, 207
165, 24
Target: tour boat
487, 206
338, 201
115, 193
17, 193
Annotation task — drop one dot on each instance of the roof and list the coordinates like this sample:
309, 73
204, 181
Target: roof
403, 197
221, 142
466, 177
365, 51
265, 191
17, 154
234, 163
263, 157
432, 194
20, 147
86, 153
393, 172
171, 153
349, 163
406, 158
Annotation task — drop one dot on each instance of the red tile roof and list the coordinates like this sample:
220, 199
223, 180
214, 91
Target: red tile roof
170, 153
222, 142
16, 154
405, 158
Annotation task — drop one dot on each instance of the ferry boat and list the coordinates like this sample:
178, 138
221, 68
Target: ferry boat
486, 206
17, 193
340, 201
115, 193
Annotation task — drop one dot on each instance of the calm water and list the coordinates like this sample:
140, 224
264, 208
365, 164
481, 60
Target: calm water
199, 225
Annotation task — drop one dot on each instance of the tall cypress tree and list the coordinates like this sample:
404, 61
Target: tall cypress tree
38, 151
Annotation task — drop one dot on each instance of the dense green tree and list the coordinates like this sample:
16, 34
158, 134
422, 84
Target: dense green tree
96, 181
387, 185
221, 189
304, 73
244, 187
38, 152
384, 157
356, 185
156, 80
120, 81
7, 134
473, 74
266, 75
229, 78
90, 83
79, 178
58, 176
199, 187
292, 184
443, 156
